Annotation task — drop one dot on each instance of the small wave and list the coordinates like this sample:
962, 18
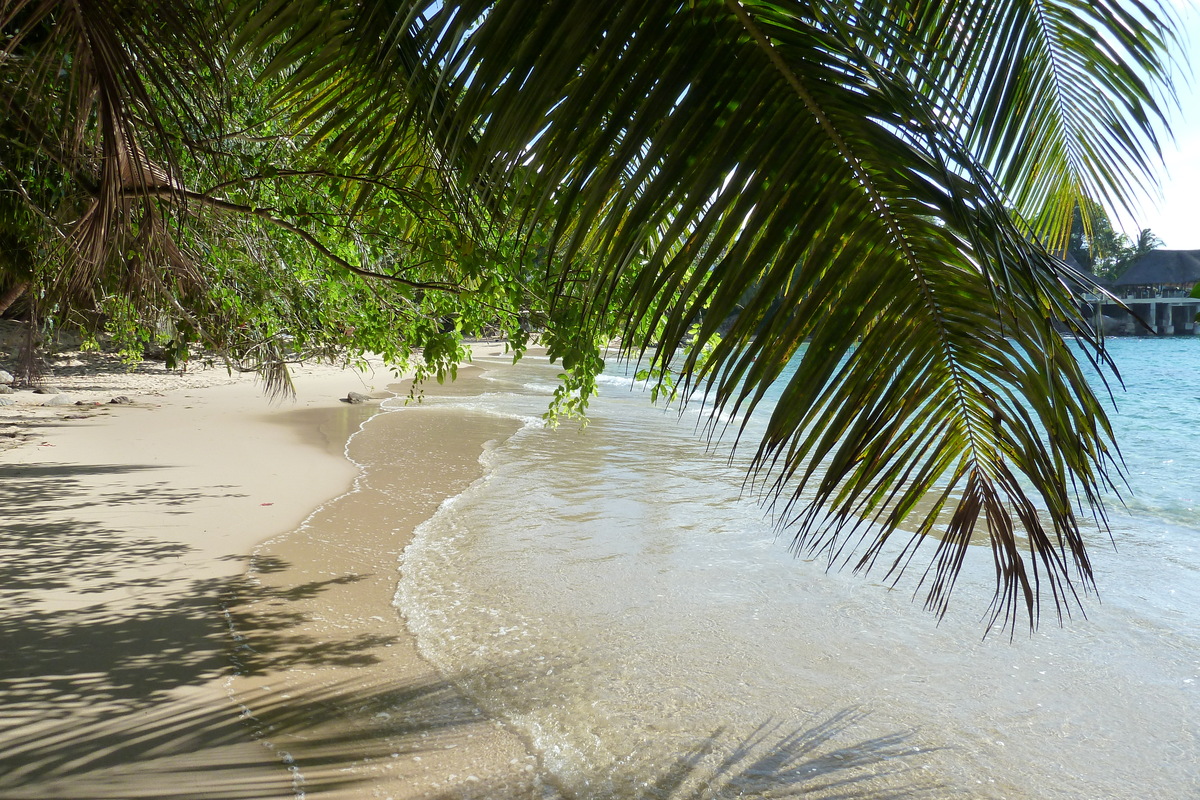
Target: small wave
539, 387
623, 381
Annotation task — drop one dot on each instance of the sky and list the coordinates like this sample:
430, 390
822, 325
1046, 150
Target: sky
1175, 217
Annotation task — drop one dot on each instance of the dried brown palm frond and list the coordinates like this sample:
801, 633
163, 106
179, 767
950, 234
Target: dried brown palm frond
95, 83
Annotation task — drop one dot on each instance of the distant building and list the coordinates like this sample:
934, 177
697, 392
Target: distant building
1157, 289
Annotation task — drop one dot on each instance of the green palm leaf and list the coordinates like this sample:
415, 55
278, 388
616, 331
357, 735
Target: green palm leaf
866, 192
862, 188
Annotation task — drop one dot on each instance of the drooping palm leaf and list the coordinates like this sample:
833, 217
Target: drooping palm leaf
860, 187
1075, 83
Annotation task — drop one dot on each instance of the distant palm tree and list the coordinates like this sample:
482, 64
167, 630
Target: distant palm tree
869, 191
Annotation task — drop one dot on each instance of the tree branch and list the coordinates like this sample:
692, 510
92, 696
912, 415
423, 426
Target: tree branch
266, 215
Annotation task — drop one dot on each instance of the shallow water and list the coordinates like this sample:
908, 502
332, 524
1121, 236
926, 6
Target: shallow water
651, 611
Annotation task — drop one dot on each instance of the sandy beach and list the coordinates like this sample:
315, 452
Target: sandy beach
197, 593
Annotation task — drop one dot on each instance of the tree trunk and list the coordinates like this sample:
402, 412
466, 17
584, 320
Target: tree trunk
10, 297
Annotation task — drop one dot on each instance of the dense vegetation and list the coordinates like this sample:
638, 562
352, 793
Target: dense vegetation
1102, 251
182, 203
877, 186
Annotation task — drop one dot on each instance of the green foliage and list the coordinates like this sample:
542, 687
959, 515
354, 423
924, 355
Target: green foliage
245, 235
859, 191
1103, 251
123, 323
582, 363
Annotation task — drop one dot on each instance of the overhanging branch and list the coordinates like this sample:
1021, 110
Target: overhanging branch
267, 215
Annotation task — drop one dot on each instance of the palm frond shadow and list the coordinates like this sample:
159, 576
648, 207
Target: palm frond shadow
106, 702
774, 763
195, 747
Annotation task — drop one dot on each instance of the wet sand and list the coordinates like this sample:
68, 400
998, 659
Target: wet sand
327, 670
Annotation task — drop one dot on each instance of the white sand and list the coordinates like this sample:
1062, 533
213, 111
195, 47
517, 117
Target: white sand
127, 528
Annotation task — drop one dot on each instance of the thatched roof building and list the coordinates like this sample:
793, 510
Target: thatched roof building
1163, 268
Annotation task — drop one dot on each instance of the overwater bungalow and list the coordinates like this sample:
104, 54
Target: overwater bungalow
1156, 288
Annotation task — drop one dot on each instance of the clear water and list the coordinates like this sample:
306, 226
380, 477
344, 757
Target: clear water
641, 623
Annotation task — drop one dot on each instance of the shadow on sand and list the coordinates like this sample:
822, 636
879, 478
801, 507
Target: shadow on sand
102, 704
97, 706
119, 696
821, 761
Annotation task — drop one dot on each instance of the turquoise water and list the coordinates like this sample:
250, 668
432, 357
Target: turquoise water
623, 603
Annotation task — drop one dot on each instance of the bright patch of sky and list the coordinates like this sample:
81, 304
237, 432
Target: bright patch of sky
1175, 216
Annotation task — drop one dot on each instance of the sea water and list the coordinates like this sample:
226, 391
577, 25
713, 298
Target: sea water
613, 595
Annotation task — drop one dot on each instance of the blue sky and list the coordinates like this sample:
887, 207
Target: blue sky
1175, 217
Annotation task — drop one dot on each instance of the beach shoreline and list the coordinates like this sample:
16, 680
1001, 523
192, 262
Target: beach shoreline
130, 530
331, 678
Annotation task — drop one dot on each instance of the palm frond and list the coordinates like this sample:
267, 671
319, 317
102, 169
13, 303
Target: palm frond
98, 84
858, 191
863, 197
1082, 85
